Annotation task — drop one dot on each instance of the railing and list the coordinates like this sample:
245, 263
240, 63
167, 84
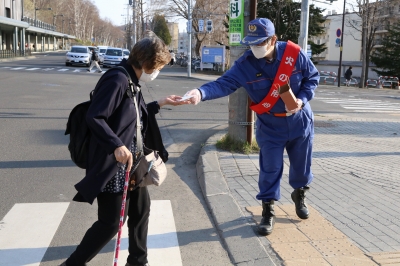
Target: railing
11, 53
39, 24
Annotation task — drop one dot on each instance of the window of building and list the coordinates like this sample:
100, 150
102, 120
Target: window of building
8, 12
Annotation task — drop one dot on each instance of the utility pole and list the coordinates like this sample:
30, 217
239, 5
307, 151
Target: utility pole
134, 21
241, 122
189, 29
364, 42
341, 44
305, 11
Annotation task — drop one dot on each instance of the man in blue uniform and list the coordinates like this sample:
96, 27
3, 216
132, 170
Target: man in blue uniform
258, 70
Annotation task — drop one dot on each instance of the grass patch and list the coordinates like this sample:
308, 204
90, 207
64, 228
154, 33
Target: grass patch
227, 143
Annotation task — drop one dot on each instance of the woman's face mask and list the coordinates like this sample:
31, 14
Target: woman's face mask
149, 77
261, 51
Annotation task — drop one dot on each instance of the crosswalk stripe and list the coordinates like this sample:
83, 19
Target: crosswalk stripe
18, 68
77, 70
363, 105
47, 69
35, 68
162, 240
63, 69
27, 230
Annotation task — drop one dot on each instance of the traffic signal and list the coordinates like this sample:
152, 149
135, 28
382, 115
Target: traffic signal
209, 26
130, 2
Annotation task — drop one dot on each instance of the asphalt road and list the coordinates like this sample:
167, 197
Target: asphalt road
36, 98
35, 165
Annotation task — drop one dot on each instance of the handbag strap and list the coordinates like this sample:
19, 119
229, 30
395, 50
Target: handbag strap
134, 90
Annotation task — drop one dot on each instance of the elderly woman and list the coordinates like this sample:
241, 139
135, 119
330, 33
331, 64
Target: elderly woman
112, 120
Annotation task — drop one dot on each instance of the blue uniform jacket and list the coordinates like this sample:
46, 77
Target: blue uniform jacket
257, 76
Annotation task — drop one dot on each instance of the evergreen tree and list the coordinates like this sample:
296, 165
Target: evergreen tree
387, 57
161, 29
285, 15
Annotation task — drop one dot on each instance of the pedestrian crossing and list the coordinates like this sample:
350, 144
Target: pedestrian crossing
27, 230
363, 105
46, 69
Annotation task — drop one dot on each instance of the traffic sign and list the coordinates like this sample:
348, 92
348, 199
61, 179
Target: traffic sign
201, 25
338, 33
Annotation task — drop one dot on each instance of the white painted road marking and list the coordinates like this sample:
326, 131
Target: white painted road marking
27, 230
35, 68
18, 68
162, 240
63, 69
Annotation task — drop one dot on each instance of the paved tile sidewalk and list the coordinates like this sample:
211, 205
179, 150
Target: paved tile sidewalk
356, 183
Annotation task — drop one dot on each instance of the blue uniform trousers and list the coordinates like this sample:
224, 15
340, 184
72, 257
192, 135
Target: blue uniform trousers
274, 134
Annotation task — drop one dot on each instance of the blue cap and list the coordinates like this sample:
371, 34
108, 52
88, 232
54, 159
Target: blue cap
258, 30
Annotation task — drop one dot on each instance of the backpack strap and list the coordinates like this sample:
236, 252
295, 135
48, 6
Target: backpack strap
134, 90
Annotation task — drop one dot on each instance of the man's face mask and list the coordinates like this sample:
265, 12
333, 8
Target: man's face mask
149, 77
261, 51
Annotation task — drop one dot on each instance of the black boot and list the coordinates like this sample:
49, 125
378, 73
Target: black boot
299, 199
268, 219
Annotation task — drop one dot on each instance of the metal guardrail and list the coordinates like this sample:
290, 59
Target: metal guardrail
11, 53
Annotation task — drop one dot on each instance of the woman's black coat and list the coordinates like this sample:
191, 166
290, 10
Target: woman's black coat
112, 120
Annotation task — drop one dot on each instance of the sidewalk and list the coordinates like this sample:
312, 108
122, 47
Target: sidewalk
354, 199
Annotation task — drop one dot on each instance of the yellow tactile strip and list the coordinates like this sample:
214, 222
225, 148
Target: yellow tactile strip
386, 258
314, 241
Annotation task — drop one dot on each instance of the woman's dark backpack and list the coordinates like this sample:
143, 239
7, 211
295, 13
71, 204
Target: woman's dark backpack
79, 133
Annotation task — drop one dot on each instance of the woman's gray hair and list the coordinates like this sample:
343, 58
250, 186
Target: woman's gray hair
150, 52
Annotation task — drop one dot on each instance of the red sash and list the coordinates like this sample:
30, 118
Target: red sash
285, 69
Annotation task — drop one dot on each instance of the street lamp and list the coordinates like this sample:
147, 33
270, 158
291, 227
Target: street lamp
36, 9
54, 18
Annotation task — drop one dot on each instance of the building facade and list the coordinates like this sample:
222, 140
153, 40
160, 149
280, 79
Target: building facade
20, 34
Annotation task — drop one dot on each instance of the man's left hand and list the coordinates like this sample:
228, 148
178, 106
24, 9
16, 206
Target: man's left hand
299, 106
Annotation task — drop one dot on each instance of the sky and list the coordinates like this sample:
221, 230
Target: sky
116, 10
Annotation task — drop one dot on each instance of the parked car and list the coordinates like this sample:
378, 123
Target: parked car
79, 55
383, 82
353, 82
126, 53
330, 80
371, 83
102, 51
113, 57
387, 84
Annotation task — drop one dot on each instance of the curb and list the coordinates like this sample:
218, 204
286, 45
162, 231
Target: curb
236, 231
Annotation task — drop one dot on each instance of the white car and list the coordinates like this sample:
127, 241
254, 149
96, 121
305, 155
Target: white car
79, 55
113, 57
126, 53
102, 51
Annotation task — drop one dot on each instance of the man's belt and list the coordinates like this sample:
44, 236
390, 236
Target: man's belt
282, 76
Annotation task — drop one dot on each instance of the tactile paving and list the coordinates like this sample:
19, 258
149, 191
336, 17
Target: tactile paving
321, 232
287, 235
307, 262
315, 241
386, 258
336, 248
353, 261
295, 251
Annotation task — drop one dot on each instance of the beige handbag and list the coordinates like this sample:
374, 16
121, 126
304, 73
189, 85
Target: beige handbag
150, 170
